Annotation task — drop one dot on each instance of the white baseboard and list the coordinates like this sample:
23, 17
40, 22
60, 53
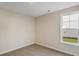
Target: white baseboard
42, 44
16, 48
38, 44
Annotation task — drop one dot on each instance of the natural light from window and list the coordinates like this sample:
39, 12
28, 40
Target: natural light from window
71, 21
70, 28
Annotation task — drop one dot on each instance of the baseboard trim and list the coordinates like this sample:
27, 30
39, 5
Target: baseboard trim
16, 48
38, 44
56, 49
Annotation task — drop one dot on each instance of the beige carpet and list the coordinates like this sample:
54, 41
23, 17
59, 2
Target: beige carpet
35, 50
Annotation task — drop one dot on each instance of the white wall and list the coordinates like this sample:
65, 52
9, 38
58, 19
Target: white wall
15, 30
48, 32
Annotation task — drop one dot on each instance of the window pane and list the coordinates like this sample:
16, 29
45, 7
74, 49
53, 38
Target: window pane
74, 21
66, 18
66, 21
74, 17
70, 21
73, 24
66, 25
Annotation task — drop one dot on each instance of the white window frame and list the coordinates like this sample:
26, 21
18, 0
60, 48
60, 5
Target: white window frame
61, 31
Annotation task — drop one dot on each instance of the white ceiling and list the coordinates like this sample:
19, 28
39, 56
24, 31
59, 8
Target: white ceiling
36, 8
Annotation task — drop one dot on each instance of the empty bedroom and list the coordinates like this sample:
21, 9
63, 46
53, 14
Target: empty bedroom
39, 28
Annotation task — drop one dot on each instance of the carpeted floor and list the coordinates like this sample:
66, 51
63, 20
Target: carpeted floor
35, 50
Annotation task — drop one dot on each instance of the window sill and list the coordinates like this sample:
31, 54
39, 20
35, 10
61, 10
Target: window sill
75, 44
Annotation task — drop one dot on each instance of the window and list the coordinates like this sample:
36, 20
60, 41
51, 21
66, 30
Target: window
70, 28
71, 21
